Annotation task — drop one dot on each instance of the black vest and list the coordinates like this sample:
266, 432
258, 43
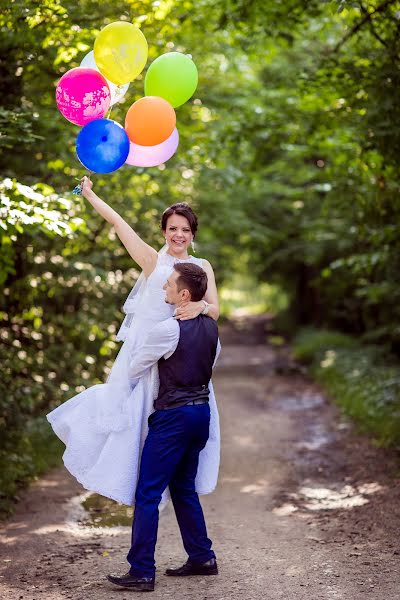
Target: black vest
185, 375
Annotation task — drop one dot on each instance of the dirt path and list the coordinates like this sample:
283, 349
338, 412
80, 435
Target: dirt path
305, 509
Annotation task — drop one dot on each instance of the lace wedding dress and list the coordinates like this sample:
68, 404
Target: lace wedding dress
105, 426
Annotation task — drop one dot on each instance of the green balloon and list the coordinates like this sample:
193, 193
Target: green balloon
172, 76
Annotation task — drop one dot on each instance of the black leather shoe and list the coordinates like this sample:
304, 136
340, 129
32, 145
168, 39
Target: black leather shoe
139, 584
208, 568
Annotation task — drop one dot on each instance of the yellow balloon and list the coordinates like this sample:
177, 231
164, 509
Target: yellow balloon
120, 51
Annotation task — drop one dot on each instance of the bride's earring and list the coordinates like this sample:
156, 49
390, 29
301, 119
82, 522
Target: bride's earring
193, 248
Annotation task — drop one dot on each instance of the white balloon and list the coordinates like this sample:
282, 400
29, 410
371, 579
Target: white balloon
117, 91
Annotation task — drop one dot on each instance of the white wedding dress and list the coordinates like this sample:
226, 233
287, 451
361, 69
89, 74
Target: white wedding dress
105, 426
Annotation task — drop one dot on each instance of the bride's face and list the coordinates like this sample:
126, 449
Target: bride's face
178, 234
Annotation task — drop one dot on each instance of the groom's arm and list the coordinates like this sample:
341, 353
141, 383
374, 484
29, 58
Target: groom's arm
161, 340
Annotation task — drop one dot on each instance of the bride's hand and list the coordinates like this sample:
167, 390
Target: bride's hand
87, 185
189, 310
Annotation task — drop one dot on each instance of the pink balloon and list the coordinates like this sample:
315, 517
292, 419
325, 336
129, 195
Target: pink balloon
83, 95
152, 156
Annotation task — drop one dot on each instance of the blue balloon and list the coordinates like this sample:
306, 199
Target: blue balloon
102, 146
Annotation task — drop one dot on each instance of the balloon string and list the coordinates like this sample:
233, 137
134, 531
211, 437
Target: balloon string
118, 92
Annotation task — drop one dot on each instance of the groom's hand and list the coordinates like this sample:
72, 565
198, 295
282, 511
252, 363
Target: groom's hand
188, 310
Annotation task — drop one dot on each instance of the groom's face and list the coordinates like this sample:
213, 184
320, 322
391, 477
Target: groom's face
172, 294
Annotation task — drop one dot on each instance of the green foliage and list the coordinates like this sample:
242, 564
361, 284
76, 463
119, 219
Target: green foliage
363, 380
243, 295
310, 344
24, 454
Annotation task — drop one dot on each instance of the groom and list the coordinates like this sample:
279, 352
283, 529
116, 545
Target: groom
178, 431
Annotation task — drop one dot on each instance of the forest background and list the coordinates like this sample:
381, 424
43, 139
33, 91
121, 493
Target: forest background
289, 154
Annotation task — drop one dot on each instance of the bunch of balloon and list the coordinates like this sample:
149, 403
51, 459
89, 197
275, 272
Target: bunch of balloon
84, 95
150, 122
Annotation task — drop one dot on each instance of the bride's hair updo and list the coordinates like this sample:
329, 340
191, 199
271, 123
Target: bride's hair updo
183, 209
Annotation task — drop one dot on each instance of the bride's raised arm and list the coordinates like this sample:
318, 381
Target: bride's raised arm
143, 254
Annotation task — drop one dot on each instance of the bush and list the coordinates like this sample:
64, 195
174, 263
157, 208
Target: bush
24, 455
363, 379
311, 342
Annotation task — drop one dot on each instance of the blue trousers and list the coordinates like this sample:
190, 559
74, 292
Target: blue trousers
170, 457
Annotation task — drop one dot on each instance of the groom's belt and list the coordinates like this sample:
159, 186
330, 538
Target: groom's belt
176, 397
186, 403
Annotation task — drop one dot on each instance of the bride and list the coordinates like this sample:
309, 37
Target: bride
105, 426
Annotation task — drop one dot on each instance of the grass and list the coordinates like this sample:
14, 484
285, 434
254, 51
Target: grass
363, 379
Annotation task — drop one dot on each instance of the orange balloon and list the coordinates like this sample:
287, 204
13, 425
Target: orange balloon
150, 121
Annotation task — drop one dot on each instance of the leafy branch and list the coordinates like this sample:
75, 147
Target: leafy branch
366, 19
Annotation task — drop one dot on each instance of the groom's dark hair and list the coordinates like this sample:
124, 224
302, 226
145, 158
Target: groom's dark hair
192, 278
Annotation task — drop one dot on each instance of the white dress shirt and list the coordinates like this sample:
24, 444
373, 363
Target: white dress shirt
161, 341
